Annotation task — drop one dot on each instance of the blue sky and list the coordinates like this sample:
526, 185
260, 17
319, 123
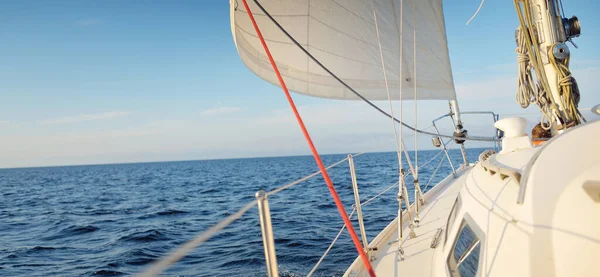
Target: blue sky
85, 82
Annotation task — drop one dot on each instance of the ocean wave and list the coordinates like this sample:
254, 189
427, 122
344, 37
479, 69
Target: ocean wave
247, 261
73, 230
76, 230
168, 212
139, 257
107, 220
38, 249
10, 256
105, 272
145, 236
171, 212
31, 265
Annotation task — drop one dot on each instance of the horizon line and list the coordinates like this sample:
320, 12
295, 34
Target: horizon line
209, 159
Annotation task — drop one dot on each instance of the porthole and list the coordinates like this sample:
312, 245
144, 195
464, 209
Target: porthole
463, 260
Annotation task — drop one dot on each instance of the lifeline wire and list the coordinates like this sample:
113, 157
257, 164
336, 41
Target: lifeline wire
313, 149
182, 251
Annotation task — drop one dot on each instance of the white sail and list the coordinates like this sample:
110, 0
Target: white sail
342, 36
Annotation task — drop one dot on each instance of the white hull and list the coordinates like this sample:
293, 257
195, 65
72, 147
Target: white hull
534, 210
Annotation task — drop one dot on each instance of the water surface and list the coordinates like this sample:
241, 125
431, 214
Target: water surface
111, 220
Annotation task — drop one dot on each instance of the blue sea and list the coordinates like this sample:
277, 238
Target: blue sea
114, 220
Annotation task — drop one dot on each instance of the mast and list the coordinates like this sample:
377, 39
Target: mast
541, 44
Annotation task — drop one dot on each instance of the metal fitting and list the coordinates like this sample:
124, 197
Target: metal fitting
560, 51
572, 27
461, 134
436, 141
596, 109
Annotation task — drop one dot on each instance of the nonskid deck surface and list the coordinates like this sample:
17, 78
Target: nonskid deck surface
418, 254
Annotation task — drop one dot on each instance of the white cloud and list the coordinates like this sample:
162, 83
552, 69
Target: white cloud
86, 117
220, 110
335, 127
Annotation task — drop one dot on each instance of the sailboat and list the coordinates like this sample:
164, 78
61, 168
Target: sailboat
529, 207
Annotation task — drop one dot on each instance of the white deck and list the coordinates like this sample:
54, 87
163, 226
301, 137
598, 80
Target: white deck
534, 211
418, 255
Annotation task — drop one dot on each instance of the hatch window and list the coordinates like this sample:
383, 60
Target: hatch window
452, 217
463, 260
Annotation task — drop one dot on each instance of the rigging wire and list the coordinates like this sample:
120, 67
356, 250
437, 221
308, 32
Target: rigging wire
182, 251
401, 183
329, 248
387, 90
438, 166
369, 200
416, 172
476, 12
316, 156
285, 32
436, 155
287, 186
390, 103
399, 26
562, 10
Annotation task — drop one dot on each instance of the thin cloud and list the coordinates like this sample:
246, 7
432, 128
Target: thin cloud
335, 127
494, 69
488, 88
220, 110
4, 122
86, 117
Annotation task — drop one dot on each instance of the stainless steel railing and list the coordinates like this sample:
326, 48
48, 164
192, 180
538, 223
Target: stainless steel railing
264, 215
265, 218
451, 116
357, 204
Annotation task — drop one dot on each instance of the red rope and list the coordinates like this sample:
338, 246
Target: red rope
332, 190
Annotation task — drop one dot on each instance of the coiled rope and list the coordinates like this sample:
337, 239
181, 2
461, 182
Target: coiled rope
526, 86
568, 88
529, 56
527, 92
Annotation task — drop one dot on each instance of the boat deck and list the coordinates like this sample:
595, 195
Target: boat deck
417, 251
